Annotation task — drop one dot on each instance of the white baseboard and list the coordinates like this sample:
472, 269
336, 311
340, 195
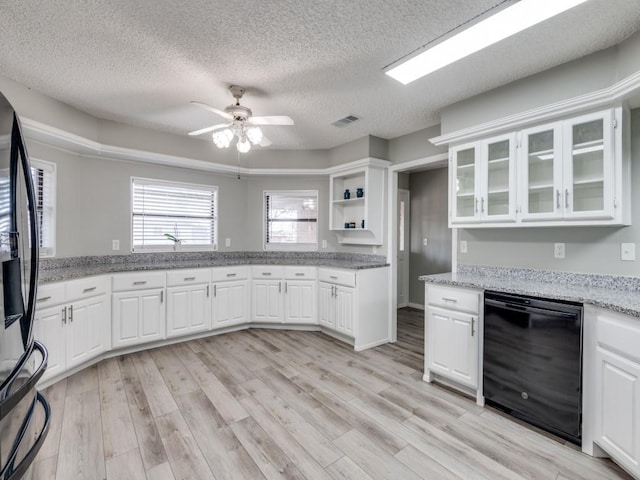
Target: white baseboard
417, 306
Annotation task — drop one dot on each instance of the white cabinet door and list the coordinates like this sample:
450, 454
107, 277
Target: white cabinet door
87, 330
465, 183
326, 307
49, 326
230, 302
618, 412
138, 317
188, 310
498, 174
344, 310
300, 301
452, 345
267, 301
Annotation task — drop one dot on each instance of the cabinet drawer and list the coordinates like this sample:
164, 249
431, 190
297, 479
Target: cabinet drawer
137, 281
619, 333
86, 287
454, 298
222, 274
338, 277
188, 277
300, 273
50, 294
267, 271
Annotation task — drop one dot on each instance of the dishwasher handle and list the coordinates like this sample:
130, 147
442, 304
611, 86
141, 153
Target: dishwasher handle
528, 309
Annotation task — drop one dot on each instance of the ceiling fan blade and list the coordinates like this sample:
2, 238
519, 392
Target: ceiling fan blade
209, 129
215, 110
271, 120
265, 142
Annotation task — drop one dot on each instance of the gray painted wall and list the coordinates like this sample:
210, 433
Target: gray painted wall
588, 249
429, 219
414, 145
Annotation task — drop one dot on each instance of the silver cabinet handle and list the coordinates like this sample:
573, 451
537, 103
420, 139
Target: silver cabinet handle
566, 198
234, 274
87, 290
279, 287
142, 282
333, 276
481, 204
473, 323
71, 313
476, 204
558, 198
189, 279
161, 296
64, 315
266, 274
452, 300
285, 287
333, 290
215, 290
207, 291
299, 274
43, 299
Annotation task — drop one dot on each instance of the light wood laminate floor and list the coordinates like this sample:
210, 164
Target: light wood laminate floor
285, 404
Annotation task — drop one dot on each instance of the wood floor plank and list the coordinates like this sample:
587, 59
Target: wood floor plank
84, 381
226, 457
424, 465
81, 453
185, 457
267, 455
158, 395
127, 465
346, 469
149, 441
45, 468
375, 461
160, 472
56, 395
118, 432
176, 376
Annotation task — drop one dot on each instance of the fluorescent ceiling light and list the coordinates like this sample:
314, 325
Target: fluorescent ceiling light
503, 24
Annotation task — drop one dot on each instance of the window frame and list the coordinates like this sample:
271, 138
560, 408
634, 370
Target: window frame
288, 246
51, 169
169, 247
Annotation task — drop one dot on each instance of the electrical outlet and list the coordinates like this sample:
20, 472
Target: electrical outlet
115, 244
558, 250
425, 242
628, 252
374, 250
324, 244
463, 246
227, 242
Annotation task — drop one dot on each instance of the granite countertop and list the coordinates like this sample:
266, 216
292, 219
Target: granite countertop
618, 293
59, 269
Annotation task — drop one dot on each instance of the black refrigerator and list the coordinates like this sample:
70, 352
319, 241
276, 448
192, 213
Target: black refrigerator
24, 412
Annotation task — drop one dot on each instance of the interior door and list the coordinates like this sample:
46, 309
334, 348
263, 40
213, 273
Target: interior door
403, 247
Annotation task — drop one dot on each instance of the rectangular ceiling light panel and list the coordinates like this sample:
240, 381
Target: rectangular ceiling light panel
503, 24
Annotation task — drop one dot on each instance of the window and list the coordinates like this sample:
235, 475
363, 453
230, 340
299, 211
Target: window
170, 215
44, 181
291, 220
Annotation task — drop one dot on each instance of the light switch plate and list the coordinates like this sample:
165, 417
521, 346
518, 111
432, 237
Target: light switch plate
324, 244
558, 250
115, 244
463, 246
628, 252
425, 242
227, 242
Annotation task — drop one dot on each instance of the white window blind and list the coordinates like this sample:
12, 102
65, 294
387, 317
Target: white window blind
183, 211
291, 220
44, 181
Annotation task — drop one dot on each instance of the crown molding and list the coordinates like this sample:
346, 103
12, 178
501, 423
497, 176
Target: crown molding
71, 142
615, 94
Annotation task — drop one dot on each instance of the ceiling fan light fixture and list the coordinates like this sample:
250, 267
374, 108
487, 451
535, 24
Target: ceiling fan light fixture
254, 134
243, 145
222, 138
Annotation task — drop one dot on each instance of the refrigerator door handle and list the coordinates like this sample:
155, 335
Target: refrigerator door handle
14, 398
17, 472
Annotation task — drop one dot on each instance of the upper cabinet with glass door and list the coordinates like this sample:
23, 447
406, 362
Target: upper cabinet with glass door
572, 171
483, 181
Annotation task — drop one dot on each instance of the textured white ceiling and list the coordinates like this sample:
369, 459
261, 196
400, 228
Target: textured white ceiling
141, 62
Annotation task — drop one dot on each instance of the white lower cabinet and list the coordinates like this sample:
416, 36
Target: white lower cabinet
188, 301
230, 297
337, 308
300, 295
77, 328
612, 385
451, 334
138, 317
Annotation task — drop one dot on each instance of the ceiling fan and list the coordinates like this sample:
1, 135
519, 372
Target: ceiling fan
242, 124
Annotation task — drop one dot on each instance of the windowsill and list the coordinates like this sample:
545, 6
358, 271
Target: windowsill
291, 248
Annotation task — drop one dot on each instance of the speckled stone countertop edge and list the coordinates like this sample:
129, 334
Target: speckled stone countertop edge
56, 270
615, 298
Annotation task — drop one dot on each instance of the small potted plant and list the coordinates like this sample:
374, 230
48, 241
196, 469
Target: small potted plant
177, 243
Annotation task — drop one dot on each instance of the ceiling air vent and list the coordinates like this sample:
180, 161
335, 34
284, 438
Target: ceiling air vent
346, 121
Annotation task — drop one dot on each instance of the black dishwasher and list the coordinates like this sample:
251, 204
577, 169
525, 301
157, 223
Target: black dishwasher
532, 361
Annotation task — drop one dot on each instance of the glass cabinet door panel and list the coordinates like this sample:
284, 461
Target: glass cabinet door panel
465, 182
498, 178
540, 170
587, 152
